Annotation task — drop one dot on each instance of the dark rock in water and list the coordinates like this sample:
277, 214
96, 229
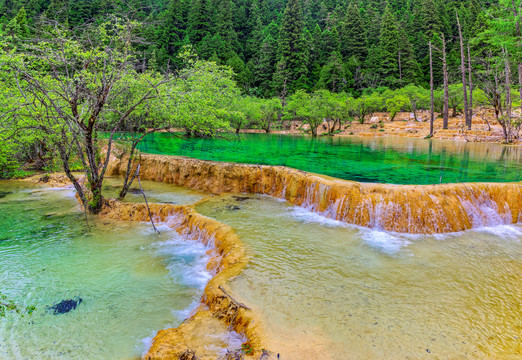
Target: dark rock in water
241, 198
3, 194
232, 207
45, 178
65, 306
134, 191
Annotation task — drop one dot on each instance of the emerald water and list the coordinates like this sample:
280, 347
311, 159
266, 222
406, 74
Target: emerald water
328, 290
391, 160
132, 282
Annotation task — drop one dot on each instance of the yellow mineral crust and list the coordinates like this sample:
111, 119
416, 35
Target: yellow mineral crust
228, 259
417, 209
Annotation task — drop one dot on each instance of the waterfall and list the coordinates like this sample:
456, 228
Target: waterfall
417, 209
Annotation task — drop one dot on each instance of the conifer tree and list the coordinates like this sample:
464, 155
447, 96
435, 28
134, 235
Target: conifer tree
332, 76
291, 48
225, 29
171, 33
199, 21
388, 48
429, 19
266, 65
329, 45
353, 36
58, 10
17, 27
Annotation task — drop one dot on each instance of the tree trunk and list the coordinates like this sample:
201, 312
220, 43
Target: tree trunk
463, 72
400, 67
507, 120
520, 85
126, 183
445, 112
432, 115
470, 90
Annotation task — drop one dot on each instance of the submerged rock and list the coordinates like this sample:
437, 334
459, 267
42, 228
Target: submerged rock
232, 207
65, 306
3, 194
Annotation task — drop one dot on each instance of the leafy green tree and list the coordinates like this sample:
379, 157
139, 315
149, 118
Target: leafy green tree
68, 84
395, 104
270, 110
418, 98
365, 106
202, 96
305, 107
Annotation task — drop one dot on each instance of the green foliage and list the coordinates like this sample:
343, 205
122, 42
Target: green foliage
201, 98
353, 35
7, 304
292, 54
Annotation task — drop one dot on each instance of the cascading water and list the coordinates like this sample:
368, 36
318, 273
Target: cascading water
131, 282
422, 209
330, 290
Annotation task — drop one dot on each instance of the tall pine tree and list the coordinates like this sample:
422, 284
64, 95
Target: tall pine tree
388, 49
291, 68
353, 35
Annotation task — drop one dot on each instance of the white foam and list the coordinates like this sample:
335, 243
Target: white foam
187, 260
502, 231
387, 242
307, 216
146, 343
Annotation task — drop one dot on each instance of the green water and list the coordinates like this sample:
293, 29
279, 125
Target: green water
384, 160
326, 290
132, 281
156, 192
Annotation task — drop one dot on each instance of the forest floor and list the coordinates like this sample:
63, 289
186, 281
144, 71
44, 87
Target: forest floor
484, 128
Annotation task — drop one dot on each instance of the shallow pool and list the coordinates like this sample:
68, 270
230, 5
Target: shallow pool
392, 160
328, 290
131, 281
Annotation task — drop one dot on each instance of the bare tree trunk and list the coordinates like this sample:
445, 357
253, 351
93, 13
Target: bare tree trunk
470, 89
432, 115
445, 111
507, 120
400, 67
463, 71
520, 85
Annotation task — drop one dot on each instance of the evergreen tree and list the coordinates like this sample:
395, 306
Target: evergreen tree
199, 21
58, 10
225, 29
171, 33
353, 36
388, 48
429, 19
291, 50
329, 44
333, 75
266, 65
17, 28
